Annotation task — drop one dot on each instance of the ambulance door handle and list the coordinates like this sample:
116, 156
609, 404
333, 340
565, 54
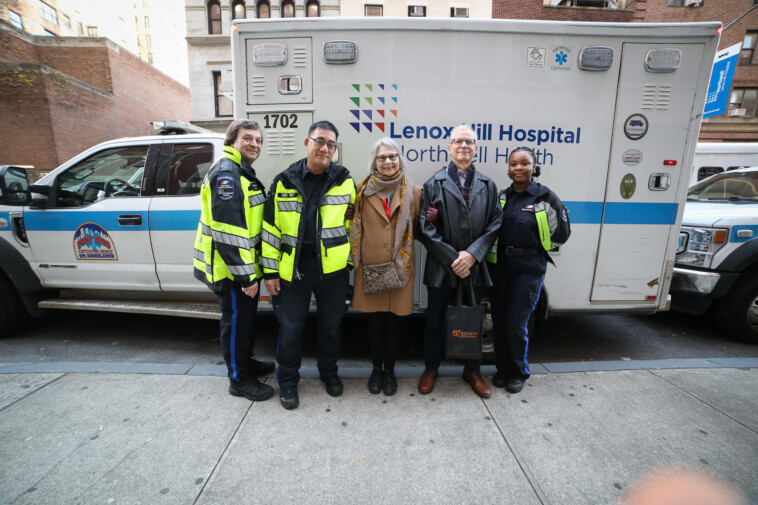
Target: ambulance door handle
659, 182
130, 220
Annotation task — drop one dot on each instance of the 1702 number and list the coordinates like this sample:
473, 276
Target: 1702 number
283, 120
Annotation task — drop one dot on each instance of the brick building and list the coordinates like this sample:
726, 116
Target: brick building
740, 20
62, 95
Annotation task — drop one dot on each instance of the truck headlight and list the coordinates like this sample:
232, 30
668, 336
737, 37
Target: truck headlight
698, 245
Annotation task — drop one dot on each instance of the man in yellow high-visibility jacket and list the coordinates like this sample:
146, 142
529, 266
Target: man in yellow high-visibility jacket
306, 250
226, 253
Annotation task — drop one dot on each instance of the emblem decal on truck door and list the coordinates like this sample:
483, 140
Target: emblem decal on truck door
91, 242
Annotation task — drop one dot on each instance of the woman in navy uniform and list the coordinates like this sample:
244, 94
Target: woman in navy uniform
534, 222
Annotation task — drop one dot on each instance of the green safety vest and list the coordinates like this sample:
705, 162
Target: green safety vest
543, 229
227, 240
282, 226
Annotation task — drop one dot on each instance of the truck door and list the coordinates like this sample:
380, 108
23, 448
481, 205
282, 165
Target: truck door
94, 233
651, 126
175, 210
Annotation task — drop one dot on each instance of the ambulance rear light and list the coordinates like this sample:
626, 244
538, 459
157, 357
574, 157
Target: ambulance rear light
340, 52
669, 163
662, 60
596, 58
650, 297
269, 54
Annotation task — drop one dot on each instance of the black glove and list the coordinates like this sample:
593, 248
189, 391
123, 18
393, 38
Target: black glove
432, 214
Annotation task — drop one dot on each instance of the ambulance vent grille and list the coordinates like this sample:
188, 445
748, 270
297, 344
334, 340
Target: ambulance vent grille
258, 85
655, 96
300, 57
280, 141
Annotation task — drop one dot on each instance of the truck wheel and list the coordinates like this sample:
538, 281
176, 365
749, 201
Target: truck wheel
12, 310
738, 310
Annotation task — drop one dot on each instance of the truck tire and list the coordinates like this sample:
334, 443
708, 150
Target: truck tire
12, 311
738, 310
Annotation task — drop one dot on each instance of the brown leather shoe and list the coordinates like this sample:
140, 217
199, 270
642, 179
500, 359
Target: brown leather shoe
477, 383
426, 382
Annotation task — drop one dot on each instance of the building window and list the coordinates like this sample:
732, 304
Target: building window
214, 17
79, 28
747, 54
147, 23
48, 12
417, 11
603, 4
66, 21
288, 9
742, 102
263, 9
223, 104
685, 3
238, 10
458, 12
48, 33
312, 9
92, 31
149, 41
16, 19
374, 10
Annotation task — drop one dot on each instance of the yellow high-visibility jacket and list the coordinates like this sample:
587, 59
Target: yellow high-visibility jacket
228, 238
283, 227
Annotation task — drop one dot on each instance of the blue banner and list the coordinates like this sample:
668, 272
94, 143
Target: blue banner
721, 81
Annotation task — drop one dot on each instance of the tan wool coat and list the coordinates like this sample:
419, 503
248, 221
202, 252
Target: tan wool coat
377, 243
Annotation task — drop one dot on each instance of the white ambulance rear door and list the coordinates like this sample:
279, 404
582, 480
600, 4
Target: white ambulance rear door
652, 127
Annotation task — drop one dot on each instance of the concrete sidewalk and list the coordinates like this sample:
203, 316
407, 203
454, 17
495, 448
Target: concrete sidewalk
570, 437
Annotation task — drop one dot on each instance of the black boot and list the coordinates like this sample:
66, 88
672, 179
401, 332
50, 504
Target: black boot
375, 380
389, 383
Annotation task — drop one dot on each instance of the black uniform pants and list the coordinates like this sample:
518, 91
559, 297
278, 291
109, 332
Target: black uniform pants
383, 336
238, 313
434, 328
291, 310
516, 295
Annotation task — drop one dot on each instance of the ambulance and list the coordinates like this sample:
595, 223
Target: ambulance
611, 110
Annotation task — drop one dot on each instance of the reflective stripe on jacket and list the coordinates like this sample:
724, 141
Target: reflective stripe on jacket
228, 237
283, 226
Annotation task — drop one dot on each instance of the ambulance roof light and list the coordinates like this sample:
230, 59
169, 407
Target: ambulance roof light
662, 60
269, 54
596, 58
340, 52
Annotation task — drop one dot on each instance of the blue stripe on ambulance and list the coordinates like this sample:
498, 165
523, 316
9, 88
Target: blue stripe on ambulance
182, 220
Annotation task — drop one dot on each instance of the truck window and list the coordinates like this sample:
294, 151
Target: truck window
704, 172
189, 164
728, 186
112, 173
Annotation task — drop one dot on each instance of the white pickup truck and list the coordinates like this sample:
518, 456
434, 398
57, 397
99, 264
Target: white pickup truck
111, 229
717, 260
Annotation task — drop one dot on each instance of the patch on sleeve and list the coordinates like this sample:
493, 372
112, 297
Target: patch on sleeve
564, 216
225, 187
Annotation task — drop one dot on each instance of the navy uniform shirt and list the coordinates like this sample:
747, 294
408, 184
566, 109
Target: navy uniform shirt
519, 229
313, 185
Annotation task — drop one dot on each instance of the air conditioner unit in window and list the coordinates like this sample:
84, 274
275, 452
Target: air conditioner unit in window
692, 3
737, 112
417, 11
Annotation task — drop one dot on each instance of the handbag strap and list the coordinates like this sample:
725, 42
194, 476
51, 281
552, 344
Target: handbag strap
459, 294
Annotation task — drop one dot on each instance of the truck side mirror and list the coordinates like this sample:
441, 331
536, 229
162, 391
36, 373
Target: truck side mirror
14, 186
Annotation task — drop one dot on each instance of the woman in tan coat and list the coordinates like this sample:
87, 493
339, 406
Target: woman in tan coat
381, 236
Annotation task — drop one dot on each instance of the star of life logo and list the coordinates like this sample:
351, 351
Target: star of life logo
561, 58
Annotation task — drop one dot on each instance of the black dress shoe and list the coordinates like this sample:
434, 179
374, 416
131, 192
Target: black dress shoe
258, 367
389, 383
375, 381
499, 380
333, 385
251, 389
288, 397
514, 385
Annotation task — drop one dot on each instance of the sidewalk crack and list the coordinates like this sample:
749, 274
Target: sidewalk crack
224, 452
541, 496
704, 402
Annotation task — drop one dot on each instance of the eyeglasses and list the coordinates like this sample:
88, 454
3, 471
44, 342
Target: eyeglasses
321, 143
389, 157
468, 142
